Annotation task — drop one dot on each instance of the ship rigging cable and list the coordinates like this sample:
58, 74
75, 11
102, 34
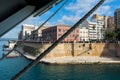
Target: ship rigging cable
36, 30
29, 66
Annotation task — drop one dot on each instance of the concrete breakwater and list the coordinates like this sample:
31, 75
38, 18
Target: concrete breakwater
73, 50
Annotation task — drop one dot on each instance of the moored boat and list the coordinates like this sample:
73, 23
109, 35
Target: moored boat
9, 46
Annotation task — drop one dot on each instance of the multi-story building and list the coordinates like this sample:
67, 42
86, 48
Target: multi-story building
106, 22
84, 33
92, 32
97, 27
110, 23
36, 35
53, 33
117, 18
96, 30
26, 31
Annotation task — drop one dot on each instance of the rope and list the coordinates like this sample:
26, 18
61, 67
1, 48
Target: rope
29, 66
37, 29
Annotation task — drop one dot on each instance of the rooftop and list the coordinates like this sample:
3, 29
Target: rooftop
117, 9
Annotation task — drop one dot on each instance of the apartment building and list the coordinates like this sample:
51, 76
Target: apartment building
53, 33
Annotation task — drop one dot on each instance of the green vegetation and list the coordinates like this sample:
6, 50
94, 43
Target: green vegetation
33, 51
113, 35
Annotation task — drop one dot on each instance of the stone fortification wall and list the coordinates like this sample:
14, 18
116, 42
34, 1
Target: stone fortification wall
75, 49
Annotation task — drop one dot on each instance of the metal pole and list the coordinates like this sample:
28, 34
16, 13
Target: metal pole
29, 66
37, 29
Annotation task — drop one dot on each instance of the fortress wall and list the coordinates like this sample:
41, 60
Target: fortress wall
78, 49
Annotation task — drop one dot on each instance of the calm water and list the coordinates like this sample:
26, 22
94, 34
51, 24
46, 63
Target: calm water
9, 67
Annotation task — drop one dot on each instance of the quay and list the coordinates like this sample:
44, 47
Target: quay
75, 53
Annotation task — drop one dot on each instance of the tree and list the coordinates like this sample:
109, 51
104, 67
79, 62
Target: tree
117, 31
114, 35
109, 35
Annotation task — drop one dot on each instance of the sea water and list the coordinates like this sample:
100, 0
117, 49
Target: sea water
10, 66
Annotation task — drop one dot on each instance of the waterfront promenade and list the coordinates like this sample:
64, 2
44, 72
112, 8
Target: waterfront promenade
82, 60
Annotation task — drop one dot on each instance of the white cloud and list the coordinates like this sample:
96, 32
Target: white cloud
33, 21
80, 7
79, 4
108, 1
104, 10
69, 18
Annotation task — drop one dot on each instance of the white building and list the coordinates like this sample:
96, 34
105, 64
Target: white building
96, 30
26, 31
84, 34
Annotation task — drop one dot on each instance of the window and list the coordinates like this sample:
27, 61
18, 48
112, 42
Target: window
59, 30
73, 35
77, 31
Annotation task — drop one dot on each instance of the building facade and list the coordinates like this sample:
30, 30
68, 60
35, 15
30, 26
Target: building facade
110, 24
96, 30
36, 35
84, 34
53, 33
117, 18
26, 31
108, 21
98, 27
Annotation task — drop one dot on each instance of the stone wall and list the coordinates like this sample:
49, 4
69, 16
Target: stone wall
118, 50
77, 49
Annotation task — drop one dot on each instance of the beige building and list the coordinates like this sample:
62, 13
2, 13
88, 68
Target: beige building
96, 17
110, 23
106, 22
117, 18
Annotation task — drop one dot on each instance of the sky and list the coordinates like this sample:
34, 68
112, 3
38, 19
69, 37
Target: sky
69, 14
